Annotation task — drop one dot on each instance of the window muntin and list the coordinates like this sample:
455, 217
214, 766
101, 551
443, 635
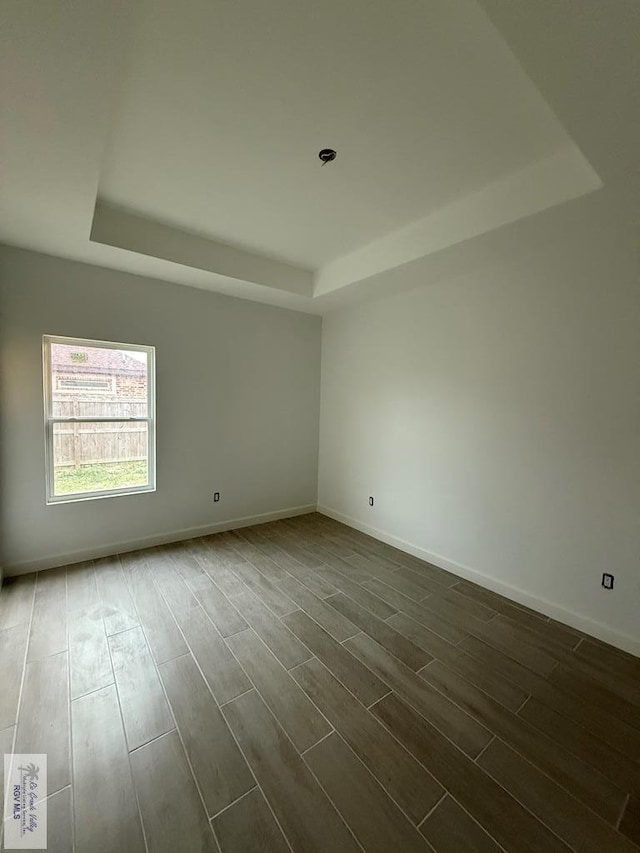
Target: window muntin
99, 418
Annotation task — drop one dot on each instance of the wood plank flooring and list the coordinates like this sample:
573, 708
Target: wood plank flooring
299, 687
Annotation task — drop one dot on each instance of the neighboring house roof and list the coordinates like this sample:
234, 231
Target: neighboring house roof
68, 359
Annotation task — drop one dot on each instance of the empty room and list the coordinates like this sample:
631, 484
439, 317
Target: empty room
320, 426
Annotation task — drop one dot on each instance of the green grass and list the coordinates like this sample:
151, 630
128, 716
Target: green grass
94, 478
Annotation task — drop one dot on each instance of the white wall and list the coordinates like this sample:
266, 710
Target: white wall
495, 418
237, 407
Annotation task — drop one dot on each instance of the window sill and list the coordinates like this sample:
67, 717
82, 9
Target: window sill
95, 496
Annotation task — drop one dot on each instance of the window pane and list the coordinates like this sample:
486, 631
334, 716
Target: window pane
95, 457
90, 381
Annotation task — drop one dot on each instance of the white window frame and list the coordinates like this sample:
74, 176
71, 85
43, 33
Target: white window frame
50, 420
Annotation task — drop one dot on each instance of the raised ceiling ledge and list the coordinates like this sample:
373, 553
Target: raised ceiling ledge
564, 176
124, 230
559, 178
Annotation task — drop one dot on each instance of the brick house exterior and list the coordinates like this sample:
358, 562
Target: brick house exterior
104, 383
96, 374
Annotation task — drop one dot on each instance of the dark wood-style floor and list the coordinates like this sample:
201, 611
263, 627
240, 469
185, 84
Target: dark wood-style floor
299, 686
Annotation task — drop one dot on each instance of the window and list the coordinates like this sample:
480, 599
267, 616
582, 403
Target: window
88, 384
99, 404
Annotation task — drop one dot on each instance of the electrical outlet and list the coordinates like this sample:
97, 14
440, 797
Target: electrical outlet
607, 581
216, 497
370, 501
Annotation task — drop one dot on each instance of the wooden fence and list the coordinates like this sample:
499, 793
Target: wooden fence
77, 444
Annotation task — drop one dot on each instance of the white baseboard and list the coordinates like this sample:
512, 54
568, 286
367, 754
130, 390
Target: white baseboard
112, 548
568, 617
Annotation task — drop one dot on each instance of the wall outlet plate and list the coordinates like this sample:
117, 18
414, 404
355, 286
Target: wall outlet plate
370, 501
607, 581
216, 497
